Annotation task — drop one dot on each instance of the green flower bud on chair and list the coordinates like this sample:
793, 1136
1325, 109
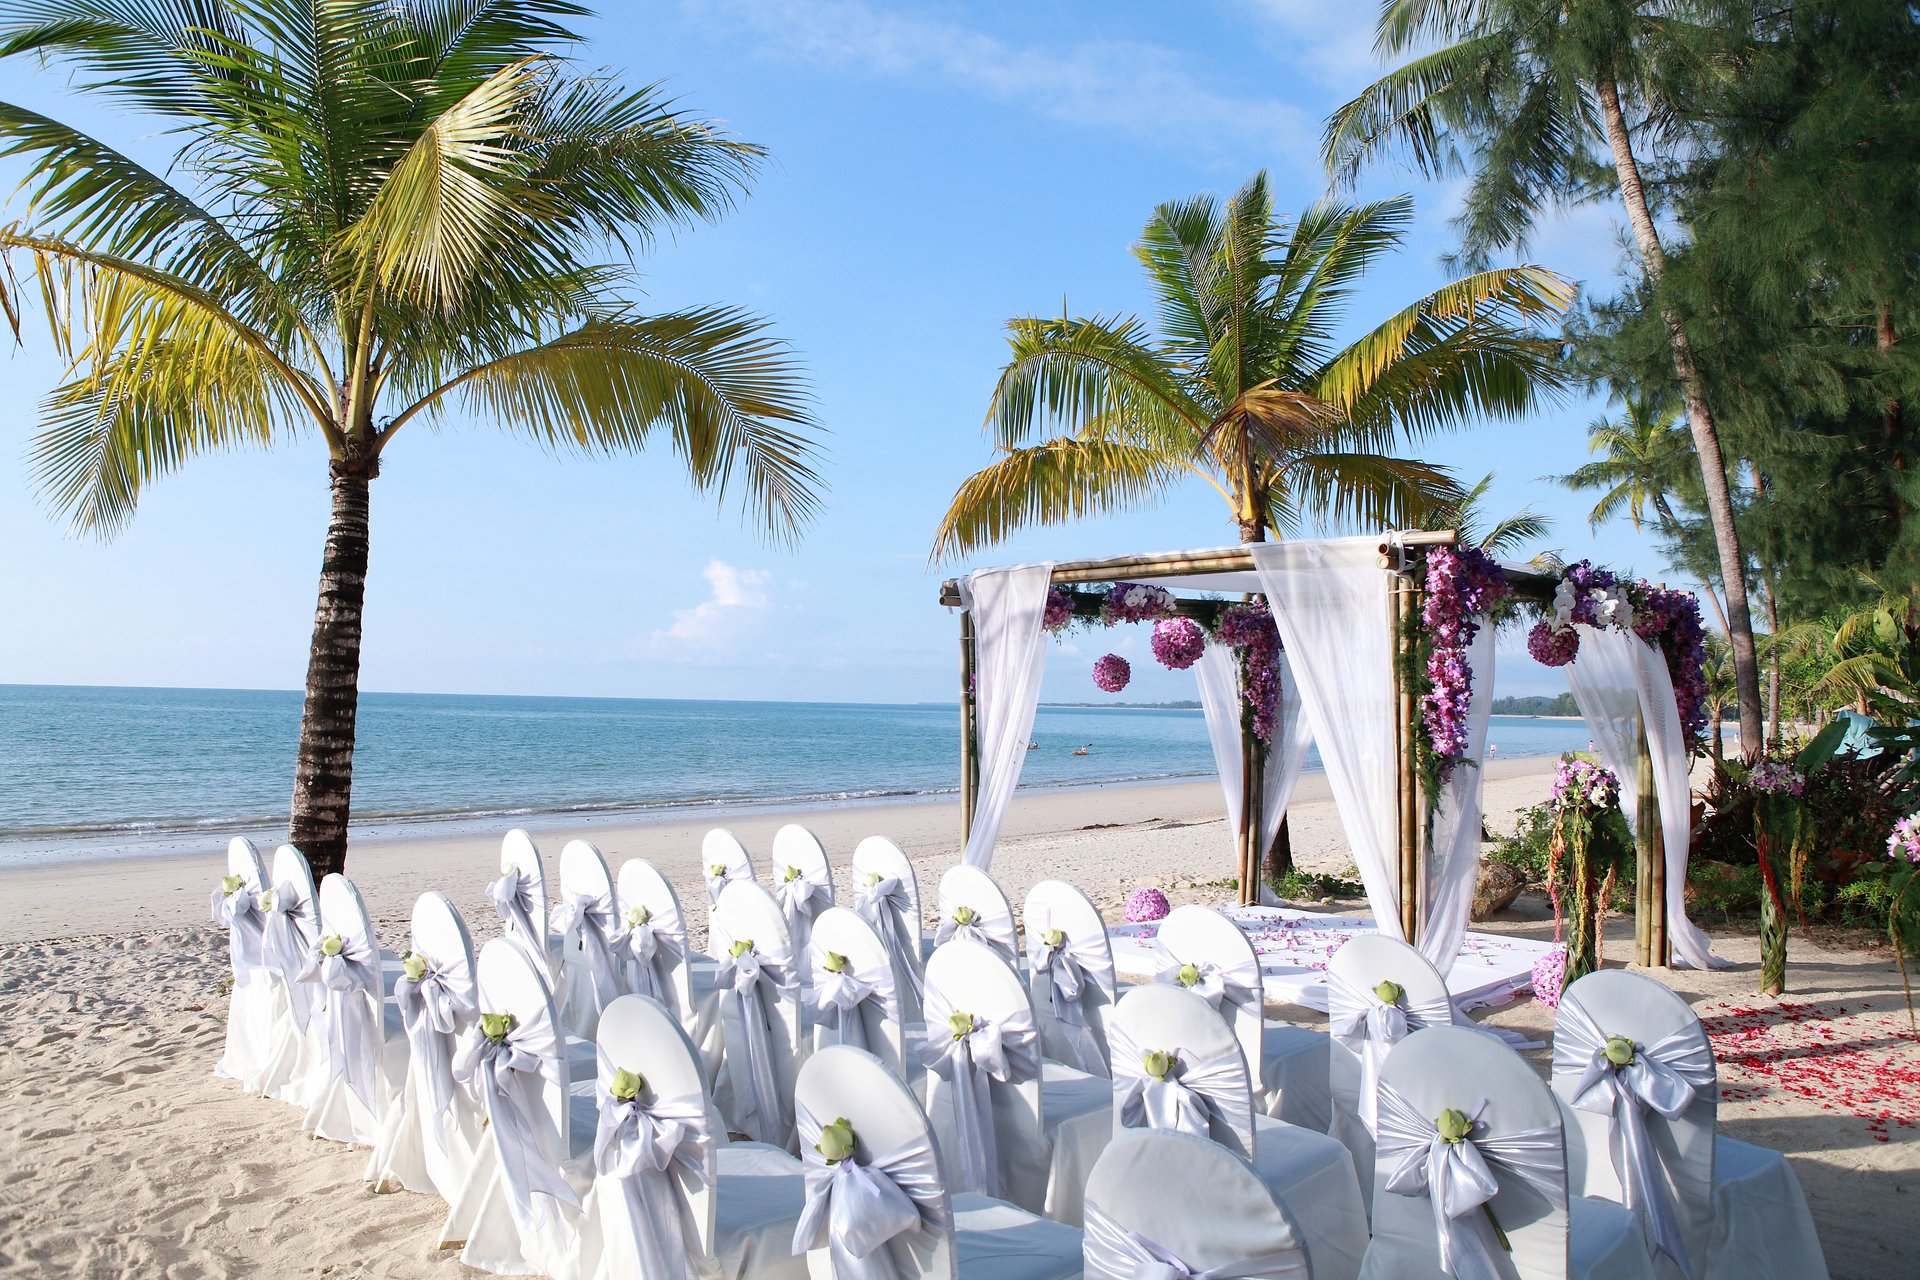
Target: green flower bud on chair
871, 879
836, 1141
964, 915
496, 1026
230, 885
1189, 975
1454, 1125
789, 875
637, 916
740, 948
1158, 1062
332, 945
626, 1085
961, 1024
717, 870
1388, 992
265, 900
1055, 938
414, 965
1619, 1051
835, 962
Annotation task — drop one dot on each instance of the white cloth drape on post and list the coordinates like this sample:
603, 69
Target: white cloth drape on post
1010, 648
1219, 678
1453, 862
1329, 600
1617, 679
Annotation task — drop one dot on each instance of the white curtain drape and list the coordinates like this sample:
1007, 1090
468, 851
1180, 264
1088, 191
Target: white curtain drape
1010, 649
1617, 679
1330, 601
1219, 677
1453, 863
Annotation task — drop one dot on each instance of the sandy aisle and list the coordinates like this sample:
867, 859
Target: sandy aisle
120, 1154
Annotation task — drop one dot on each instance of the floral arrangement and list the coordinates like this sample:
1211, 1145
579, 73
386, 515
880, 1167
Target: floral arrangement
1145, 905
1783, 839
1178, 642
1776, 778
1550, 977
1463, 584
1669, 620
1059, 610
1112, 673
1903, 910
1590, 841
1135, 602
1250, 629
1579, 783
1905, 840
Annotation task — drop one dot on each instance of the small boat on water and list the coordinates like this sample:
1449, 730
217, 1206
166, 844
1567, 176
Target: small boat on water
1084, 751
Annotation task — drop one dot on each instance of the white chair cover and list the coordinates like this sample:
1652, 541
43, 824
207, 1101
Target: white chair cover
802, 882
520, 897
973, 907
1070, 971
653, 947
886, 894
723, 860
297, 1069
592, 936
855, 1003
869, 1211
1204, 1093
365, 1045
252, 1002
989, 1050
759, 990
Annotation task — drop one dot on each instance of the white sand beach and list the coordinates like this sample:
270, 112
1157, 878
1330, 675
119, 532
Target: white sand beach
121, 1154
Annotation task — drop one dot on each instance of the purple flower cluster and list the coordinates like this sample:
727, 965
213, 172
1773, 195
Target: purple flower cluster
1905, 840
1549, 975
1553, 646
1145, 905
1462, 583
1579, 783
1135, 602
1776, 778
1178, 642
1250, 628
1667, 619
1059, 611
1111, 673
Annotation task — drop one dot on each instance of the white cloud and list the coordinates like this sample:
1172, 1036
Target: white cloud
1142, 90
736, 593
1329, 41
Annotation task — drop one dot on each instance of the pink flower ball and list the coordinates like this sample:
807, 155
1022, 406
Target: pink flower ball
1146, 904
1549, 972
1111, 673
1178, 642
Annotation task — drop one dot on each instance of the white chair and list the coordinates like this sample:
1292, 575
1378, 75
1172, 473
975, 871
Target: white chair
520, 896
757, 987
1288, 1064
1364, 1025
1177, 1066
802, 880
723, 859
365, 1045
851, 997
1642, 1134
1012, 1125
973, 907
670, 1197
654, 950
431, 1131
1070, 971
518, 1210
587, 922
237, 904
925, 1232
297, 1067
1502, 1132
886, 893
1163, 1199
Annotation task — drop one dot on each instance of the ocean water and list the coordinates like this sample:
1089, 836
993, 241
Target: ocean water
89, 769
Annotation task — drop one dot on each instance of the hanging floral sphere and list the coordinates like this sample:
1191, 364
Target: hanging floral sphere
1549, 972
1553, 646
1111, 673
1145, 905
1059, 610
1178, 642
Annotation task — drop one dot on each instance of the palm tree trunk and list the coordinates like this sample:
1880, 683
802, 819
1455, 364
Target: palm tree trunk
1706, 436
1773, 661
323, 774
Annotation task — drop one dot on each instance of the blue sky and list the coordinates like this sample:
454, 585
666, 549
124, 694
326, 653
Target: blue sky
936, 169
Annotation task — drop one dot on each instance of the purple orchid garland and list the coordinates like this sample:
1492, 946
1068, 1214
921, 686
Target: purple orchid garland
1463, 583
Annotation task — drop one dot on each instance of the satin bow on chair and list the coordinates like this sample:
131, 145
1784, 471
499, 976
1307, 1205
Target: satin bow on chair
434, 1010
657, 947
1195, 1092
757, 981
1238, 986
738, 871
1663, 1078
990, 931
600, 932
839, 1000
886, 905
1007, 1051
1112, 1251
289, 934
512, 896
1072, 971
860, 1209
1459, 1177
640, 1144
1368, 1026
239, 911
350, 1016
801, 899
494, 1071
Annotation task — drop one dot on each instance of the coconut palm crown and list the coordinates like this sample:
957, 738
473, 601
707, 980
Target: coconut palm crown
377, 214
1244, 384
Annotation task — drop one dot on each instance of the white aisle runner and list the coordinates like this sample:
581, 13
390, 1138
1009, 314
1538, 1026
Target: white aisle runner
1294, 946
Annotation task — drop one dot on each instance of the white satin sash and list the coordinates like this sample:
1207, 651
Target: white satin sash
1369, 1027
497, 1073
993, 931
801, 899
647, 1147
350, 1013
738, 871
288, 935
239, 911
1238, 985
844, 1002
1007, 1051
1112, 1252
655, 948
757, 981
1071, 972
867, 1212
434, 1011
600, 932
512, 896
1663, 1078
888, 907
1196, 1092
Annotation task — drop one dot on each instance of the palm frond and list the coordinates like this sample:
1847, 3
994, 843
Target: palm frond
1065, 373
1048, 483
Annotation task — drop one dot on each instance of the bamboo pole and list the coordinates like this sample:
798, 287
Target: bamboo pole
969, 731
1406, 770
1650, 862
1245, 840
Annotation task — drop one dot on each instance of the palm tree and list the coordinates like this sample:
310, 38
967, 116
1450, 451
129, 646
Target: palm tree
381, 213
1245, 387
1533, 89
1503, 537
